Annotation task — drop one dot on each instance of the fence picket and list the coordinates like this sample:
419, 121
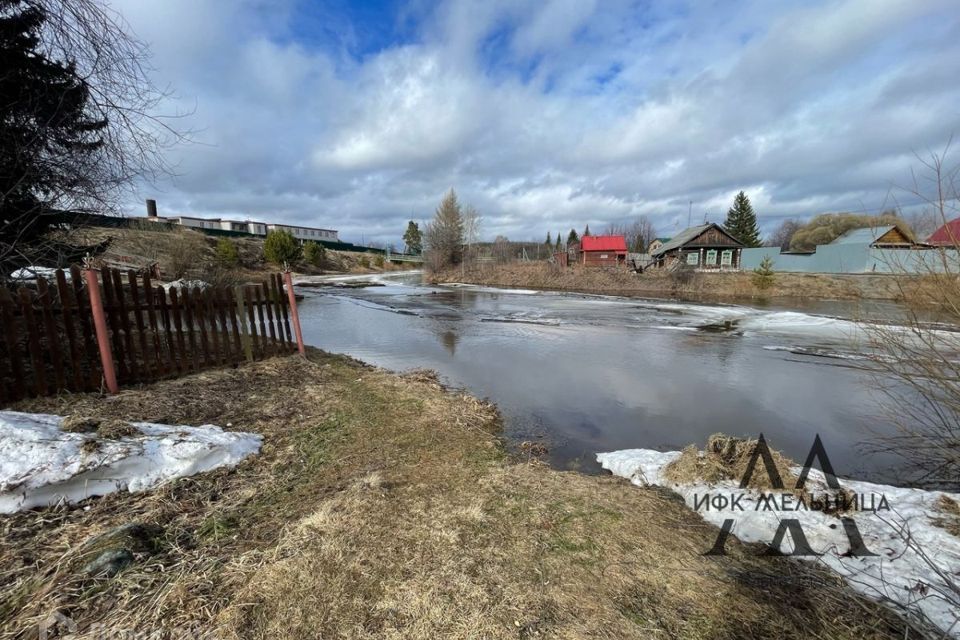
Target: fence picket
33, 340
125, 323
251, 317
176, 311
13, 344
165, 315
200, 317
92, 381
284, 304
111, 309
68, 310
275, 300
50, 332
138, 321
148, 295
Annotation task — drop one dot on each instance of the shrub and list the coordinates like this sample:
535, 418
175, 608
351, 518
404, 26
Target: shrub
281, 247
365, 262
379, 261
227, 253
314, 253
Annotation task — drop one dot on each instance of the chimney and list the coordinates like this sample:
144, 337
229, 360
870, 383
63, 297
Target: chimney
151, 208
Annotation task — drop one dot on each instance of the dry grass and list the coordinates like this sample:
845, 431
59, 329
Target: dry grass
949, 518
383, 506
727, 458
739, 285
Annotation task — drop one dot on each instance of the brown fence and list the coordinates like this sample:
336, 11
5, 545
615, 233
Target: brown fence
49, 342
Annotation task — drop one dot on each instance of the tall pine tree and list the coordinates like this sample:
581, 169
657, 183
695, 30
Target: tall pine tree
742, 221
573, 237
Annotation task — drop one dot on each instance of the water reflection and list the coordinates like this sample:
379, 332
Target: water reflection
596, 373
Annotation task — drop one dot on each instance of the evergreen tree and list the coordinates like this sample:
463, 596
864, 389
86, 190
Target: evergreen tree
559, 246
586, 231
742, 221
573, 237
280, 246
549, 241
413, 238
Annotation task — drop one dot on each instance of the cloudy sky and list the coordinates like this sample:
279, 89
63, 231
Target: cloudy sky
547, 114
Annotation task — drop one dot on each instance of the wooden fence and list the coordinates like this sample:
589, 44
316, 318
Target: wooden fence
49, 342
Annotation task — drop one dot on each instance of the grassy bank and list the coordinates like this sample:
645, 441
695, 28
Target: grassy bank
541, 275
384, 506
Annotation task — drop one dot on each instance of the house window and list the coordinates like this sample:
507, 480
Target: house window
711, 257
693, 259
726, 258
604, 256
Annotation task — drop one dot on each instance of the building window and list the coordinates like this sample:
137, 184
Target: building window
693, 259
711, 257
726, 258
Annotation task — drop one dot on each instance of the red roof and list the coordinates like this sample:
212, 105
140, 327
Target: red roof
603, 243
948, 234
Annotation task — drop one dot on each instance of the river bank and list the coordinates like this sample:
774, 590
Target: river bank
384, 505
698, 285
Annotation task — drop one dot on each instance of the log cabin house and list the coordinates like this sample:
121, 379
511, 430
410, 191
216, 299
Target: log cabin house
706, 246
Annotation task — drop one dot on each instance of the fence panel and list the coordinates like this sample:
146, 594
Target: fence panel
49, 344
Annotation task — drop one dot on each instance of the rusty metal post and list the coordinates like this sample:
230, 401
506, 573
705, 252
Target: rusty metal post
100, 326
288, 280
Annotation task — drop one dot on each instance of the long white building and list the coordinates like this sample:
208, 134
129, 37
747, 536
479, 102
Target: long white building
252, 227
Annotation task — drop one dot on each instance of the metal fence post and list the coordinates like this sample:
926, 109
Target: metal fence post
288, 280
100, 326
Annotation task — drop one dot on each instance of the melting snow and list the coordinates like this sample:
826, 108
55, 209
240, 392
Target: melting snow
41, 465
898, 573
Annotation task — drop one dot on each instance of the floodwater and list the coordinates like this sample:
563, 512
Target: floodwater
590, 373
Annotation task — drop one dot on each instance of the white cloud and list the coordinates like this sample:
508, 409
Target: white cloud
551, 115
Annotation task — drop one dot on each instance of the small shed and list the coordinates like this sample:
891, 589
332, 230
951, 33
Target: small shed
603, 250
705, 246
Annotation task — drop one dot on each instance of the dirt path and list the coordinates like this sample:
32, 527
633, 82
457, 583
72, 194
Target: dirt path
384, 506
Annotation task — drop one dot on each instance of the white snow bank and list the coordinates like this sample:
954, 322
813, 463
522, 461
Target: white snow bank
40, 465
898, 573
32, 272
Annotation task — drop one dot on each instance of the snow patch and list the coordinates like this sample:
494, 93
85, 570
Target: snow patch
898, 573
32, 272
40, 465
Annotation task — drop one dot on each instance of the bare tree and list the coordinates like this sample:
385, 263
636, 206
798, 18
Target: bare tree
115, 104
471, 231
923, 222
783, 234
916, 364
639, 233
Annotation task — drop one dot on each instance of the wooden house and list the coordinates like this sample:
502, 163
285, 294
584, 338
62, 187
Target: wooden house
598, 251
883, 237
656, 244
706, 246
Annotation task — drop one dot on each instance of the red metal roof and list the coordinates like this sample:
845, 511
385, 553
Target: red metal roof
948, 234
603, 243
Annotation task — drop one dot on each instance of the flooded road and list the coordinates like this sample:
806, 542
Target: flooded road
589, 373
